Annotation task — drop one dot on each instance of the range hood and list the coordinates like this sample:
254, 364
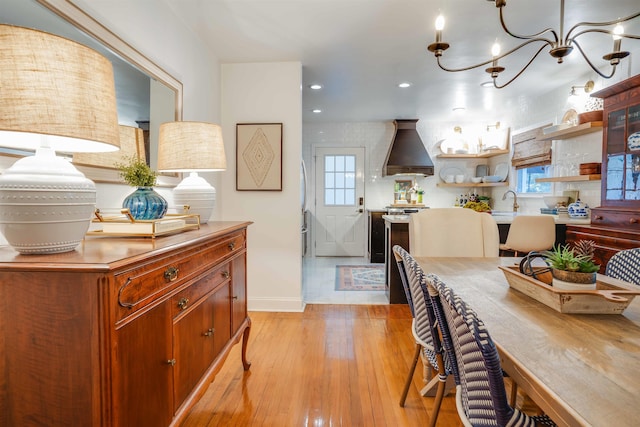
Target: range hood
407, 154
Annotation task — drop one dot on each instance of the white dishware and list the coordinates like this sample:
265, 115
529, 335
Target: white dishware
491, 178
450, 170
459, 179
633, 141
449, 179
476, 179
502, 170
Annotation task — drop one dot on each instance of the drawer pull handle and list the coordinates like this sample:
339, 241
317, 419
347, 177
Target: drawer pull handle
171, 274
209, 332
598, 217
171, 362
235, 297
232, 245
183, 303
120, 302
633, 220
225, 274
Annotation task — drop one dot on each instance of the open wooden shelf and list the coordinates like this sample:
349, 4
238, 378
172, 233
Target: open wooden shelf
483, 155
573, 131
473, 184
594, 177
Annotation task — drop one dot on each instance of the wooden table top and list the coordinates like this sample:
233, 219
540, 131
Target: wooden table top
581, 369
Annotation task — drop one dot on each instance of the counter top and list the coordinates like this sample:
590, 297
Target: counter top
396, 219
501, 218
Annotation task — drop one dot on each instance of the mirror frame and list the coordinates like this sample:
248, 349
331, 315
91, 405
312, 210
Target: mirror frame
81, 20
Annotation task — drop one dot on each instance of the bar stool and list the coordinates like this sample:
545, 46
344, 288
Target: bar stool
530, 233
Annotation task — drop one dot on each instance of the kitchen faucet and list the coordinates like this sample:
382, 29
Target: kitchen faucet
515, 199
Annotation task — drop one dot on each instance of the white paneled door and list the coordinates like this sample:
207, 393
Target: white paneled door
340, 218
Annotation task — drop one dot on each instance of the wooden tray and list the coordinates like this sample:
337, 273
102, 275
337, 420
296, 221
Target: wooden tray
611, 296
126, 226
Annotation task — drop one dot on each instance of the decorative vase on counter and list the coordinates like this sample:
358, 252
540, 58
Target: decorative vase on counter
145, 203
578, 209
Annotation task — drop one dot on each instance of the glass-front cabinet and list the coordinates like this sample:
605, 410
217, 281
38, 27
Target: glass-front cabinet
621, 145
615, 224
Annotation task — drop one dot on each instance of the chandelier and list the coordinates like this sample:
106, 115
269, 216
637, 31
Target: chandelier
560, 45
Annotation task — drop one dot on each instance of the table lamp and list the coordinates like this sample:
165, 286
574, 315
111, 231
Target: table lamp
55, 94
192, 147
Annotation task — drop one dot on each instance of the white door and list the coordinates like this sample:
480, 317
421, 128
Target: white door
340, 219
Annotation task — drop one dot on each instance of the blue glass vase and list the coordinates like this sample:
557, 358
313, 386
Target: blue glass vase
145, 203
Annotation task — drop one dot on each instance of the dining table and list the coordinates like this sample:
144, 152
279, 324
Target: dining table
580, 369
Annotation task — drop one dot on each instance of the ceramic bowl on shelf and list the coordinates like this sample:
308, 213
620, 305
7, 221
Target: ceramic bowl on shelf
476, 179
491, 178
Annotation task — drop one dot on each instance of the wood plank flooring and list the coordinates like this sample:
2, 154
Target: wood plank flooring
333, 365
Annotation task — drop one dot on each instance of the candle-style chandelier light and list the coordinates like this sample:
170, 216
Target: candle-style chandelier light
560, 45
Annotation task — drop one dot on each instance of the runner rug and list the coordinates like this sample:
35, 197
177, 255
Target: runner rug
360, 277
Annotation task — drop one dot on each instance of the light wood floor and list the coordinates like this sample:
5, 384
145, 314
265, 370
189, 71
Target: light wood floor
333, 365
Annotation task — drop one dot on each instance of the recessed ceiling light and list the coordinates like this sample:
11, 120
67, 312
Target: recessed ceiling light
404, 84
315, 86
486, 84
458, 109
317, 110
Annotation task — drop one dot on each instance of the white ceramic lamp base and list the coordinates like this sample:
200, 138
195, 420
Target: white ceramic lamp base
196, 192
46, 204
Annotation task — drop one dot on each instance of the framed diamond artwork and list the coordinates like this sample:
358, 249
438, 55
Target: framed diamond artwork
259, 157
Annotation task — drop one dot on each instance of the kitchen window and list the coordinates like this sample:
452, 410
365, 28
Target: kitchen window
526, 180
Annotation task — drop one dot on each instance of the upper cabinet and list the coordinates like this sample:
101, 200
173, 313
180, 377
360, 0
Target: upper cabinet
621, 144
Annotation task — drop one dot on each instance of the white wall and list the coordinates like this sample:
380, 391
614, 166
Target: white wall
267, 93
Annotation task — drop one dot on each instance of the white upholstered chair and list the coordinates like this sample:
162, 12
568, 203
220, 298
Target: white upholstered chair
530, 233
453, 232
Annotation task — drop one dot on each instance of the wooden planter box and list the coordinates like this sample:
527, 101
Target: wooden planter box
611, 296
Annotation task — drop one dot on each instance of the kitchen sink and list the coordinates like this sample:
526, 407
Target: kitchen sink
503, 213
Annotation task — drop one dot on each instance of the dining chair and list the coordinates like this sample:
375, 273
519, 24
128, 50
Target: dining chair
453, 232
422, 327
530, 233
481, 398
625, 265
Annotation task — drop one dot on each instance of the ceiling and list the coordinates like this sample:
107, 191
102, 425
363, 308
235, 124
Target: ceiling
359, 50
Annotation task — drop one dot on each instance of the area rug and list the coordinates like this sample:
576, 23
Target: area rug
360, 277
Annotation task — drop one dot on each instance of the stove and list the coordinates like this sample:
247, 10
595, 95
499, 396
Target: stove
395, 210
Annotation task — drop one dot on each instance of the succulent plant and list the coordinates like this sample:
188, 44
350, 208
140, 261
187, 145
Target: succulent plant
585, 247
563, 257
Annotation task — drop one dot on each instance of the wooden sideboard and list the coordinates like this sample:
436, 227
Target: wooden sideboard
121, 331
608, 240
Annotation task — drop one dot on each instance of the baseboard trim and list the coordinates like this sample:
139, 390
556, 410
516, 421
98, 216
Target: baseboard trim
276, 304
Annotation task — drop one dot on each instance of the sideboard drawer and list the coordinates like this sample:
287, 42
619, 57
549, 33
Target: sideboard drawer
189, 297
145, 284
628, 220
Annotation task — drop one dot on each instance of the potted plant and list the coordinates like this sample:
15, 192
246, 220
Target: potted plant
144, 203
573, 268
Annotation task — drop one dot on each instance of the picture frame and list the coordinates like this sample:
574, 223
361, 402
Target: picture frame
259, 157
403, 185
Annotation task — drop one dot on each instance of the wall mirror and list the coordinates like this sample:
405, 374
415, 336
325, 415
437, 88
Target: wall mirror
146, 94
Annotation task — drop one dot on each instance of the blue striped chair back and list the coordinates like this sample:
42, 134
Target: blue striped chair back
482, 398
625, 265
